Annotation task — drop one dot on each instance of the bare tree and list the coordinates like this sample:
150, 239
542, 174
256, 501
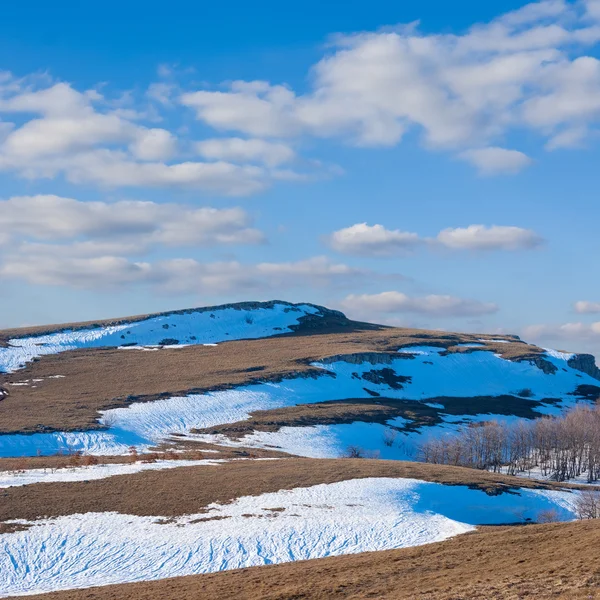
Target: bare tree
562, 448
354, 452
587, 505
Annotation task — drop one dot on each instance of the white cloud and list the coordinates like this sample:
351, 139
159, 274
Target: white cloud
362, 239
114, 169
240, 150
75, 134
256, 108
396, 302
493, 161
366, 240
154, 144
527, 68
480, 237
63, 266
583, 307
566, 331
574, 337
126, 225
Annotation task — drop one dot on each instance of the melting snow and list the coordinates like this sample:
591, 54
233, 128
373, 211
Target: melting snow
459, 375
194, 327
330, 519
89, 473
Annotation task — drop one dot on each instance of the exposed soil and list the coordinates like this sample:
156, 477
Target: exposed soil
99, 379
189, 490
557, 561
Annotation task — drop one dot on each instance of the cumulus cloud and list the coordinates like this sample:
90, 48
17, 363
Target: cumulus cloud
362, 239
575, 336
576, 333
241, 150
88, 140
583, 307
526, 68
366, 240
388, 303
68, 266
480, 237
492, 161
127, 225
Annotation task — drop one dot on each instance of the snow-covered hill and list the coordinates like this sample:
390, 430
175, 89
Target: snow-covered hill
485, 383
188, 327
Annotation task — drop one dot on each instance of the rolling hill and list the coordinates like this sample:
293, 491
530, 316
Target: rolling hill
219, 438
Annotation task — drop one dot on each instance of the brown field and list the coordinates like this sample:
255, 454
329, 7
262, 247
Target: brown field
99, 379
537, 562
189, 490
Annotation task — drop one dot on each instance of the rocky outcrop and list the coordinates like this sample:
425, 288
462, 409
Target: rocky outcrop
585, 363
544, 365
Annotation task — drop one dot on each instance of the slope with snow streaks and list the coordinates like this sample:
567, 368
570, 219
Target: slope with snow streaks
323, 520
427, 372
188, 327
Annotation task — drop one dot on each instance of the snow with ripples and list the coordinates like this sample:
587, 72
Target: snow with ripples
348, 517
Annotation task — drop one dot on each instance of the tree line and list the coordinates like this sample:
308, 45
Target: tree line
560, 448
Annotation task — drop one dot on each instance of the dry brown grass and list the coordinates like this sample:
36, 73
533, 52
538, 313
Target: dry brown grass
305, 415
100, 379
191, 450
188, 490
537, 562
418, 414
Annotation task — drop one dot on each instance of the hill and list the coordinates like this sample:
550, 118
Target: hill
167, 445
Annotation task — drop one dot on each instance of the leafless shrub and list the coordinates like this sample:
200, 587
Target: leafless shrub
88, 460
587, 505
151, 457
74, 458
108, 419
20, 466
353, 451
133, 454
389, 437
548, 516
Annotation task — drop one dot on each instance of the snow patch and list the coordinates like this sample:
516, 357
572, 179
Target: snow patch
194, 327
457, 374
92, 472
348, 517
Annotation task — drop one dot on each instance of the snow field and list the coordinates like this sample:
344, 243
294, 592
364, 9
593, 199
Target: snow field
478, 373
323, 520
92, 472
194, 327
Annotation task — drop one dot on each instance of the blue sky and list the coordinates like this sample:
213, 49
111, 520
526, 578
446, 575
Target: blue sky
416, 163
